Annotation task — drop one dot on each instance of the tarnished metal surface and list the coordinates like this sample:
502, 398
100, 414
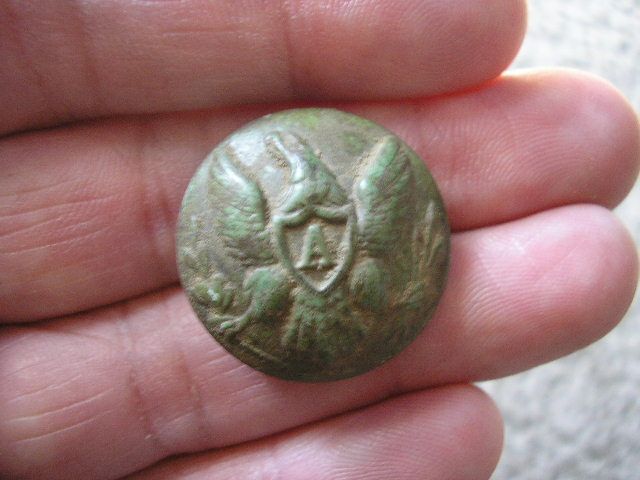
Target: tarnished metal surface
313, 244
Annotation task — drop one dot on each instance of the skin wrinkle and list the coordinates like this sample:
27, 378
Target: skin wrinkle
289, 9
53, 329
271, 467
156, 217
396, 381
484, 166
420, 360
87, 57
258, 387
62, 409
21, 369
31, 333
204, 425
42, 389
70, 241
20, 231
13, 196
560, 263
196, 73
137, 397
54, 421
358, 439
496, 343
13, 343
13, 25
75, 276
85, 202
493, 286
256, 392
221, 358
22, 441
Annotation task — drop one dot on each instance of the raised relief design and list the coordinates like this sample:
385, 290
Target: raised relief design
328, 271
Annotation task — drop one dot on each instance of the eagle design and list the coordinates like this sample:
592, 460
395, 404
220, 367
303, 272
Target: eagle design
320, 297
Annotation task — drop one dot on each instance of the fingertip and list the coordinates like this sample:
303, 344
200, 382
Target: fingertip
456, 431
478, 425
616, 273
452, 432
588, 272
402, 49
149, 57
502, 31
589, 110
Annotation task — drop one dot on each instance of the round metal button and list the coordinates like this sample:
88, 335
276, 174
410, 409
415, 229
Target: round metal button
313, 244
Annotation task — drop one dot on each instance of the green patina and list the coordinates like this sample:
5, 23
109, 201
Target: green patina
313, 283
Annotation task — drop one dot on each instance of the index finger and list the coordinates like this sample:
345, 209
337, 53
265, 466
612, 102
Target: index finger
64, 61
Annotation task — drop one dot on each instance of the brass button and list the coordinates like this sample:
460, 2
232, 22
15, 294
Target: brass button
313, 244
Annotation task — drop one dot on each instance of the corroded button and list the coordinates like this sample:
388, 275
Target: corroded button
313, 244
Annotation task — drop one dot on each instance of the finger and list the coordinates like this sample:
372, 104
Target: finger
67, 60
87, 217
118, 389
452, 432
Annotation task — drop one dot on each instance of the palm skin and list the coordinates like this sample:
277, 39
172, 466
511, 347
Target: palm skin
104, 370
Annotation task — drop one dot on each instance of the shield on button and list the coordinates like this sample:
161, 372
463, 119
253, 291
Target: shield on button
316, 245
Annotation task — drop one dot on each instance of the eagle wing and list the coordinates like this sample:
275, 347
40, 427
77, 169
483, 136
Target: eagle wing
383, 196
243, 212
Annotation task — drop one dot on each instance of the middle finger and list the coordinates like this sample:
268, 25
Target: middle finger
87, 214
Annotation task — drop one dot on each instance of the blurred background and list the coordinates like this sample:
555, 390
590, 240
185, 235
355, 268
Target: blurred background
578, 418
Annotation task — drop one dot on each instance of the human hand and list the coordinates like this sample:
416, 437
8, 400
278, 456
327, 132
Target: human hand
109, 371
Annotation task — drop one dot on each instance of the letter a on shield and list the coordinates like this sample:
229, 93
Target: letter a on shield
315, 254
